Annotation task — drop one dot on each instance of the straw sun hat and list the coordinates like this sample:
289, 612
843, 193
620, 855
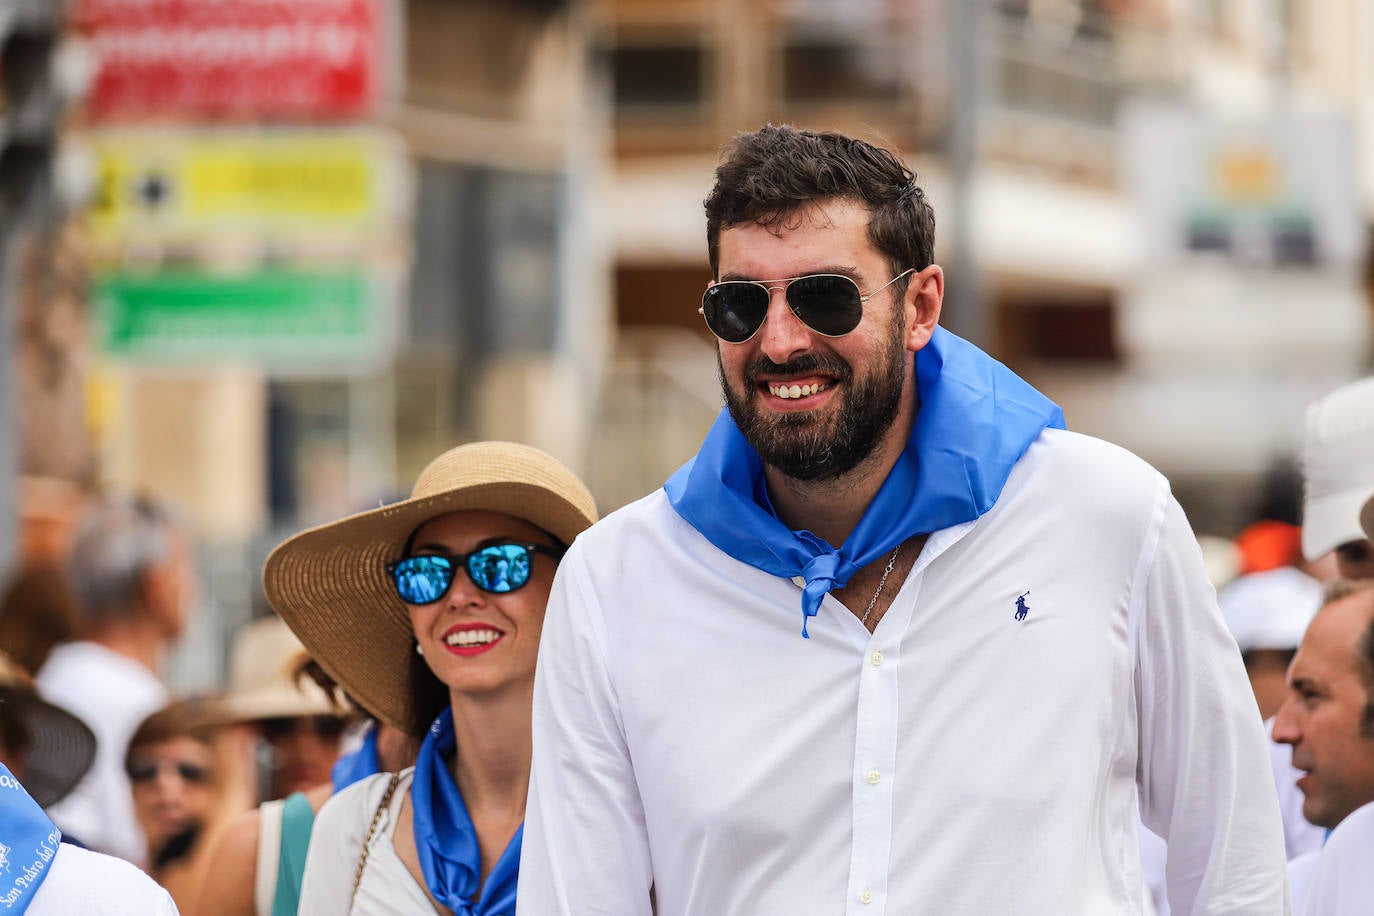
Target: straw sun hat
61, 747
330, 583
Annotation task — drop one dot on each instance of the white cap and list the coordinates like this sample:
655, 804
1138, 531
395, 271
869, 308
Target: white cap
1270, 609
1338, 467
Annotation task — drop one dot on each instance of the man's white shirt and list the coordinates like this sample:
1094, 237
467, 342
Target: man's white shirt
1343, 881
112, 694
957, 760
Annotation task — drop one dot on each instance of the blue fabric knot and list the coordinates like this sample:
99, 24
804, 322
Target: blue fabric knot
975, 421
823, 573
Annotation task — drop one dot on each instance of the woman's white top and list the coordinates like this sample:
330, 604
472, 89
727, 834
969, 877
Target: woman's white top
336, 845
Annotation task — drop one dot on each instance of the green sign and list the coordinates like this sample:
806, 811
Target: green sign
279, 319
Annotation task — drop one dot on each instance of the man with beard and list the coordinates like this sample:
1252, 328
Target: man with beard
893, 641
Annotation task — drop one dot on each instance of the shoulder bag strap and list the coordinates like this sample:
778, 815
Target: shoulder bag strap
372, 832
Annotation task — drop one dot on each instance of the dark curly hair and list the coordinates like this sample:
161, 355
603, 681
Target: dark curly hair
773, 174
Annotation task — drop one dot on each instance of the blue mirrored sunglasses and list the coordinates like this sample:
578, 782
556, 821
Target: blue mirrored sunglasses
497, 568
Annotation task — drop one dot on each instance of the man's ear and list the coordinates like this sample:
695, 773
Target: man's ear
925, 295
161, 593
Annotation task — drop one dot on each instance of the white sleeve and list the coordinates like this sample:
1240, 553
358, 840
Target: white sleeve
336, 844
1205, 781
585, 849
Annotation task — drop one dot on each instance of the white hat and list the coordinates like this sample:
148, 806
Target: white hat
1338, 467
1270, 609
262, 685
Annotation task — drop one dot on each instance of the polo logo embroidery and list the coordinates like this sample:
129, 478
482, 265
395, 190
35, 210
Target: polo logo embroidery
1022, 609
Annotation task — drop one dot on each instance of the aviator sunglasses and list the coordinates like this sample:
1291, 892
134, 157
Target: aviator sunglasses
498, 568
829, 304
146, 770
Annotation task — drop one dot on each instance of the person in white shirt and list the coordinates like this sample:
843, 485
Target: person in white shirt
1325, 716
131, 573
1342, 882
40, 875
954, 710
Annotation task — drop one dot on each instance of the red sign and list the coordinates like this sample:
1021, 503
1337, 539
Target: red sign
232, 59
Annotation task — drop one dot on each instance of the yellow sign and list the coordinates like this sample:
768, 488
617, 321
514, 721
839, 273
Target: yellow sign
1247, 175
273, 186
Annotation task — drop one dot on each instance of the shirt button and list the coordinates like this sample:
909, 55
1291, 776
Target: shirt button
873, 777
865, 896
876, 659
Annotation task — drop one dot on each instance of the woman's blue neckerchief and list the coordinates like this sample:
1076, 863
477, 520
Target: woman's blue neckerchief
358, 764
450, 857
976, 419
28, 842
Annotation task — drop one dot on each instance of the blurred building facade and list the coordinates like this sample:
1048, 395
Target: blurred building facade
1185, 294
1127, 217
318, 244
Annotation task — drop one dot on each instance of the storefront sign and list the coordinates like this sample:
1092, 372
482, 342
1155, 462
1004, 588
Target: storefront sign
336, 320
1270, 192
232, 59
270, 186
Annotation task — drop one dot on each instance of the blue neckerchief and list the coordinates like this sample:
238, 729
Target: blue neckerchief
359, 763
28, 842
976, 419
450, 858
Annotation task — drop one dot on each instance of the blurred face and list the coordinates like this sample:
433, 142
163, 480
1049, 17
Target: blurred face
304, 749
813, 406
171, 786
1322, 714
1268, 672
1355, 560
478, 642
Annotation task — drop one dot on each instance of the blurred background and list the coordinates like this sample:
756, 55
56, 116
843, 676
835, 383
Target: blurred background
262, 259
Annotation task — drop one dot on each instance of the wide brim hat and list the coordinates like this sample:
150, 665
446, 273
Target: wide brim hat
330, 583
61, 746
262, 682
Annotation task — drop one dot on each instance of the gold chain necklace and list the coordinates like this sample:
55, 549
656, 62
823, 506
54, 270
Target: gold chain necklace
891, 562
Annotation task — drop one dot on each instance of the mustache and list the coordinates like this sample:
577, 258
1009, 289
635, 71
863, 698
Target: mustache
810, 363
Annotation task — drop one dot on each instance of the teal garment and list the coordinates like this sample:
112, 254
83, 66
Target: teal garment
297, 820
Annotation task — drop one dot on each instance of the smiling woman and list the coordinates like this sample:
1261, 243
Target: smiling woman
428, 612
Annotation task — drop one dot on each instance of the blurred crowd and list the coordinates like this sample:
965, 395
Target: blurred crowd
120, 764
172, 783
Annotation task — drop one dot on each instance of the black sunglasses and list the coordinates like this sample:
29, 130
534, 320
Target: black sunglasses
829, 304
147, 770
498, 568
279, 727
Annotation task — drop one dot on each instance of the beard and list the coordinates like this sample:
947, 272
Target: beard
806, 445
